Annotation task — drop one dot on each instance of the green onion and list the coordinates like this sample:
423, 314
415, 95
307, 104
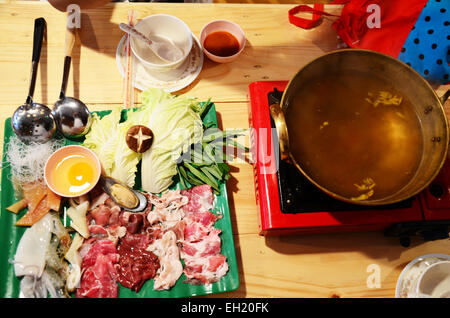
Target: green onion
183, 183
198, 174
205, 162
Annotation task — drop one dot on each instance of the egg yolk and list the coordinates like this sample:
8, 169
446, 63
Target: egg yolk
80, 173
74, 174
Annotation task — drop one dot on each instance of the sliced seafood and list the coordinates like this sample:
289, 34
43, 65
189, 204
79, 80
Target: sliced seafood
31, 251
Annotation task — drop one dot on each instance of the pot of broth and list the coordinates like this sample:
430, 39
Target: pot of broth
363, 127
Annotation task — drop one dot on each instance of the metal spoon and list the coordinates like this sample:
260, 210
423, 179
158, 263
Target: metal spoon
72, 117
33, 122
164, 49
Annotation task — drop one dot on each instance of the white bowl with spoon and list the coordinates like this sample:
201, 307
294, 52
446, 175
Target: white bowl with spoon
161, 28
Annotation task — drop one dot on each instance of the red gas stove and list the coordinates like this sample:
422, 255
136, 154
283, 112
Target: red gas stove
288, 203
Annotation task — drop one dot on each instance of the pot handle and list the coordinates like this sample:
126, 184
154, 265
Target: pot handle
444, 97
280, 123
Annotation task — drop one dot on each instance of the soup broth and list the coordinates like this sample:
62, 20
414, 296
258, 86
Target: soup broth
359, 137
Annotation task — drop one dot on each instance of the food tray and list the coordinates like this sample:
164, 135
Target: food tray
10, 236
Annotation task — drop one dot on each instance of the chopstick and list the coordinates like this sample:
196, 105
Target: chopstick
128, 94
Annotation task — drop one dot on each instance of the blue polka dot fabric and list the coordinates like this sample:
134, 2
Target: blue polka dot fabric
427, 48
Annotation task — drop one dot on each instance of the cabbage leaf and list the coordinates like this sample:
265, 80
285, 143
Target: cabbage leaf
106, 139
176, 125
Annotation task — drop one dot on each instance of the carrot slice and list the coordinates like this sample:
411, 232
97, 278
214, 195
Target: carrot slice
32, 216
53, 200
34, 193
19, 205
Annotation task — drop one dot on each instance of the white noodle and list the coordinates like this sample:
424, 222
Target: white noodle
27, 161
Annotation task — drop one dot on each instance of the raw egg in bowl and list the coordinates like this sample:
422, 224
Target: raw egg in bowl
72, 171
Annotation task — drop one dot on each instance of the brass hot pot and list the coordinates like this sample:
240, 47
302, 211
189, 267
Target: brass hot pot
415, 135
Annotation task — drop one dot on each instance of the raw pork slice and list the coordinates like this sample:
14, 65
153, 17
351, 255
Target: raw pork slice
207, 246
201, 247
205, 270
200, 197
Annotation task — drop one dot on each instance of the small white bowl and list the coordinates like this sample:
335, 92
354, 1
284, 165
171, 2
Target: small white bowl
162, 25
227, 26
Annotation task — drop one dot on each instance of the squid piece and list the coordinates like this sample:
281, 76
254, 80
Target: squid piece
30, 256
32, 287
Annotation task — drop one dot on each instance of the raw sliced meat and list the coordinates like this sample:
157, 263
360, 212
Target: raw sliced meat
133, 222
135, 266
176, 226
169, 259
201, 245
101, 215
205, 218
194, 232
200, 197
99, 278
97, 230
205, 270
167, 217
140, 240
208, 245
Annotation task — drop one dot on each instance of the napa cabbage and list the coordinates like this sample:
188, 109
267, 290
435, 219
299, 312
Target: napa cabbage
106, 139
176, 125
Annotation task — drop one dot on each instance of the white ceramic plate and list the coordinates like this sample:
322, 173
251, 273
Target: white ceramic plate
407, 280
170, 81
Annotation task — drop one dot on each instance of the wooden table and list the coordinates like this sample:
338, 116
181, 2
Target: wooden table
333, 265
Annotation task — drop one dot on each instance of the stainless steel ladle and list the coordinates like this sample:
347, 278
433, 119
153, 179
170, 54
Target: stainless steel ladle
72, 117
34, 122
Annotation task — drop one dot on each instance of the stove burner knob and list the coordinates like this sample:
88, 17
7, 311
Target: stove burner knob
436, 190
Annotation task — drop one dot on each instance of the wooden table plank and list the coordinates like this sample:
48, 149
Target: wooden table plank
95, 77
326, 265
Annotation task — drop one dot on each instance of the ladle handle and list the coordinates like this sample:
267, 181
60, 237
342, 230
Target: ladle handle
280, 123
38, 38
68, 47
70, 41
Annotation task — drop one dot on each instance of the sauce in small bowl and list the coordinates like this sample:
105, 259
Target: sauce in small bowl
72, 171
222, 41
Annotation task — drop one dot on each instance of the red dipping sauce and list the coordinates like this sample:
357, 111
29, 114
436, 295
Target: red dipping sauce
136, 265
221, 43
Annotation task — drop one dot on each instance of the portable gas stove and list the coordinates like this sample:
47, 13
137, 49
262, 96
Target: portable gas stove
288, 203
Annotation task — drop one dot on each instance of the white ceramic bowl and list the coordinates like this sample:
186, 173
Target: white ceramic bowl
407, 281
435, 281
227, 26
162, 25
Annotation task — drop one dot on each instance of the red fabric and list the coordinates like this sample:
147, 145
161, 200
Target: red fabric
396, 19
